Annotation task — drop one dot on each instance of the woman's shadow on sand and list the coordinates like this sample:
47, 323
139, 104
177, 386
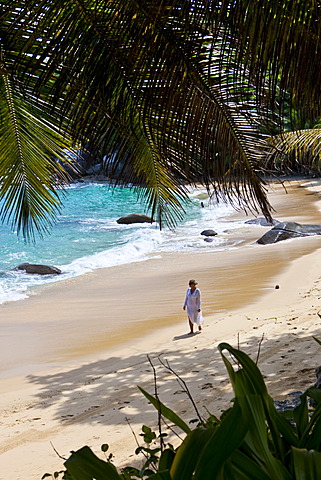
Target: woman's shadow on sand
186, 335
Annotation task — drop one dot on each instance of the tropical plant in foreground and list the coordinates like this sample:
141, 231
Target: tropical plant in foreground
251, 441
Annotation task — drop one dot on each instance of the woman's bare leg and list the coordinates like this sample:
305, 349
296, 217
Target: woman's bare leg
190, 326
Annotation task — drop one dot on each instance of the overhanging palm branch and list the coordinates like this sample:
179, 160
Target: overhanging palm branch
294, 150
163, 85
134, 80
29, 169
278, 42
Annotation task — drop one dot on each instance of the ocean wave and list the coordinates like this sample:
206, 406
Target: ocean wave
87, 237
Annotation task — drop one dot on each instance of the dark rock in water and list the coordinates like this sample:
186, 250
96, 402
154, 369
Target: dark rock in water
208, 233
39, 269
263, 222
208, 239
135, 218
285, 230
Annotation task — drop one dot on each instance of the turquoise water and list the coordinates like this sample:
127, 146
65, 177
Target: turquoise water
87, 236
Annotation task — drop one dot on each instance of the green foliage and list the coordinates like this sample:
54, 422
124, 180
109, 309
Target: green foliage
251, 440
181, 92
30, 173
166, 412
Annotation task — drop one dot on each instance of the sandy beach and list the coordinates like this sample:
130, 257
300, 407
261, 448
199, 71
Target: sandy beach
73, 354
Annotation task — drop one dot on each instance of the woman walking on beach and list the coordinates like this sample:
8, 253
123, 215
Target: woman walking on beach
193, 305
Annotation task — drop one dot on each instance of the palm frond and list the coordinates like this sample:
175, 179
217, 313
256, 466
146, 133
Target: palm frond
295, 151
141, 70
278, 42
29, 169
178, 92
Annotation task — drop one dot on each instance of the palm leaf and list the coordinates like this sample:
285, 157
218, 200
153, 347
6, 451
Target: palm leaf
278, 42
29, 170
181, 92
291, 149
139, 81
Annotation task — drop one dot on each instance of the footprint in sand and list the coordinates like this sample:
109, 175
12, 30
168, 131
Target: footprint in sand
305, 370
206, 385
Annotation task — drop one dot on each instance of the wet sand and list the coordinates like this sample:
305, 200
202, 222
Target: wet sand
73, 353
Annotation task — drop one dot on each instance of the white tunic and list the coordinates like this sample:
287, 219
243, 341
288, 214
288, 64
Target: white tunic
193, 304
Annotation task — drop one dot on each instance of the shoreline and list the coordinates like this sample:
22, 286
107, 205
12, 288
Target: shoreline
36, 327
77, 381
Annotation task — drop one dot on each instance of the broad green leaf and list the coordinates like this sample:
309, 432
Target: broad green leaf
311, 437
166, 459
301, 416
306, 464
167, 412
257, 407
222, 444
246, 467
188, 453
253, 410
286, 429
314, 393
252, 375
85, 465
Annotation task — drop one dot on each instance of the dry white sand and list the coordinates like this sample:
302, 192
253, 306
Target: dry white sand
73, 354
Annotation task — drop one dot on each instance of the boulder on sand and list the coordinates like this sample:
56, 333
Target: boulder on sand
285, 230
39, 269
263, 222
135, 218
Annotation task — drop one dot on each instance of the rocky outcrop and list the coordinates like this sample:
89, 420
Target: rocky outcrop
135, 218
208, 233
285, 230
38, 269
263, 222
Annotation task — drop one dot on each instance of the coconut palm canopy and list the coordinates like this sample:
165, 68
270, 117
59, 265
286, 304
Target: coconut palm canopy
179, 92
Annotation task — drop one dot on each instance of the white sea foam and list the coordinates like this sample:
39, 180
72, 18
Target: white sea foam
88, 237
